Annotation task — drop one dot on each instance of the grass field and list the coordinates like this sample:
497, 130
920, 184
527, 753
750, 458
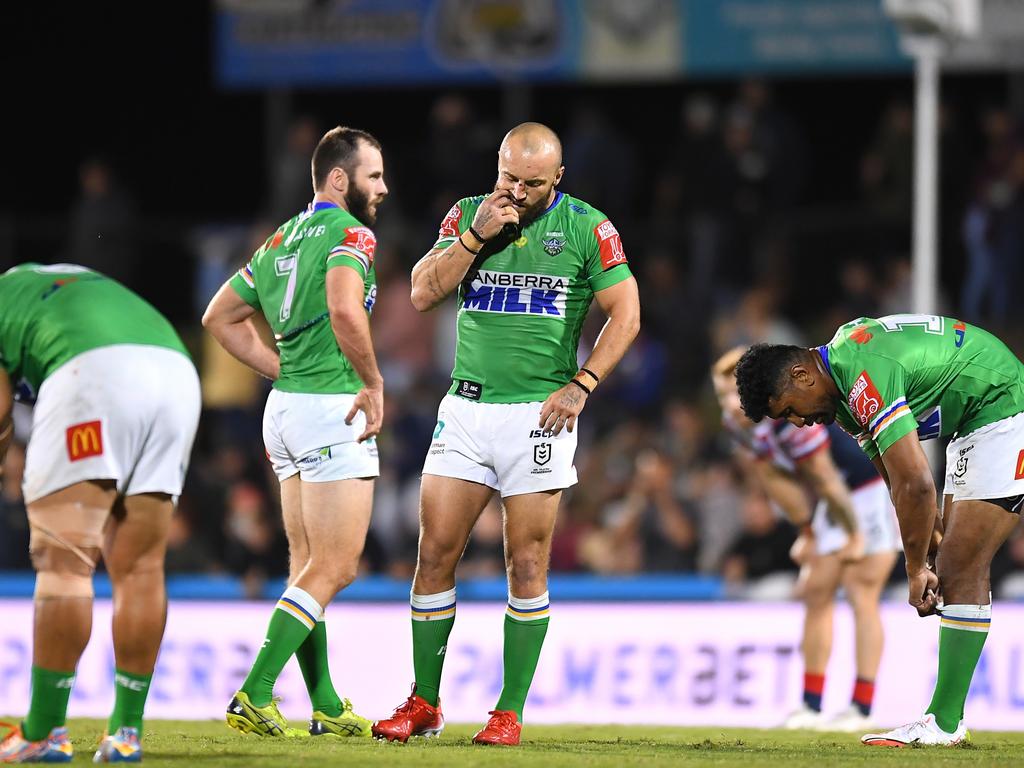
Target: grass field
176, 743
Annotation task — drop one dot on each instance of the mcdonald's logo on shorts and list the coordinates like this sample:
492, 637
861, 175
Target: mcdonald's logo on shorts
85, 440
1020, 466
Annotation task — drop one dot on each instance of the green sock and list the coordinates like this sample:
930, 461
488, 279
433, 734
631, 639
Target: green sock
962, 634
130, 692
312, 657
526, 624
49, 705
433, 617
294, 618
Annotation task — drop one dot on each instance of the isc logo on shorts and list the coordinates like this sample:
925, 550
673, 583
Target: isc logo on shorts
517, 293
85, 440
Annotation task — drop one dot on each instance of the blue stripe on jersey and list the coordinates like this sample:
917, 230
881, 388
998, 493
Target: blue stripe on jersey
823, 352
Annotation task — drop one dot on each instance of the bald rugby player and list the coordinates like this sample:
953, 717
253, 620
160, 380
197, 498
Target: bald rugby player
525, 262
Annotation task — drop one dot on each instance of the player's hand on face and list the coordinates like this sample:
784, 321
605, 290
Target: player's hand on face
924, 591
494, 213
561, 408
371, 403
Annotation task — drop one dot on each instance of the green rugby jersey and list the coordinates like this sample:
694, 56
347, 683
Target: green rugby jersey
935, 375
51, 313
287, 280
521, 309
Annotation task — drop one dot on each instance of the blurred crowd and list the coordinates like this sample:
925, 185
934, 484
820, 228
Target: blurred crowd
732, 243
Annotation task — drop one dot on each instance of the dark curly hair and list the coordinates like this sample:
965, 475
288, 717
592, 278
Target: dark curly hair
761, 375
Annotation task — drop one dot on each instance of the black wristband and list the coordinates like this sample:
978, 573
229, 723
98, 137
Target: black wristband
581, 385
591, 374
476, 234
463, 244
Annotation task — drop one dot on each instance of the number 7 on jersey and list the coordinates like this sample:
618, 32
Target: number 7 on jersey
287, 265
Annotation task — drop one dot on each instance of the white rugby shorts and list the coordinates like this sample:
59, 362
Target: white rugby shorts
126, 412
500, 445
988, 463
306, 433
876, 519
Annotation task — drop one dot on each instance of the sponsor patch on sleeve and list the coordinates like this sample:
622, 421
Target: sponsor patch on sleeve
359, 243
450, 225
610, 245
864, 399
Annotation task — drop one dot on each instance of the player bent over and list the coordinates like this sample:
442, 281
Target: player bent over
506, 424
850, 540
892, 382
117, 405
314, 282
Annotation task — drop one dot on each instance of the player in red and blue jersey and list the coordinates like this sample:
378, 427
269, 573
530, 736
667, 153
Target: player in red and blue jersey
850, 539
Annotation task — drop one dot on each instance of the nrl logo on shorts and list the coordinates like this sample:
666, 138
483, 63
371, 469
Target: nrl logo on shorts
553, 243
542, 453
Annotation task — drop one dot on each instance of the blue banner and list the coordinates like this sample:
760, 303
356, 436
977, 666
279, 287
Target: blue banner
370, 42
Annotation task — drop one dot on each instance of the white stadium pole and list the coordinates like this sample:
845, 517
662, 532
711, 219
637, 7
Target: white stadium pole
927, 30
924, 297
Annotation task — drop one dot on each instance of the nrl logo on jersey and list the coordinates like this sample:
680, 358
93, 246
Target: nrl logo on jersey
553, 243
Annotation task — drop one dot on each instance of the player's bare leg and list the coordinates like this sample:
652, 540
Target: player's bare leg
818, 583
529, 526
331, 713
67, 530
449, 508
335, 517
134, 547
863, 582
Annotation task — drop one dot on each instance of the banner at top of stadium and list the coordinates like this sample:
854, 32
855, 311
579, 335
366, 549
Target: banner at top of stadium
364, 42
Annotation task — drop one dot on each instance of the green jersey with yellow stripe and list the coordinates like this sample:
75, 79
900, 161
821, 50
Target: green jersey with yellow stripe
287, 280
936, 375
522, 304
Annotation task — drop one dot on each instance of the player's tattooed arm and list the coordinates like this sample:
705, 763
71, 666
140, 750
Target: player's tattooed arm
439, 273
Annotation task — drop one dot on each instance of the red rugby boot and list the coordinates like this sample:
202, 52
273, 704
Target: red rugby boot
503, 728
414, 718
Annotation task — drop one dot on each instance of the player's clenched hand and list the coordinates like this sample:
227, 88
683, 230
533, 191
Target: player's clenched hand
924, 591
371, 403
494, 213
562, 407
